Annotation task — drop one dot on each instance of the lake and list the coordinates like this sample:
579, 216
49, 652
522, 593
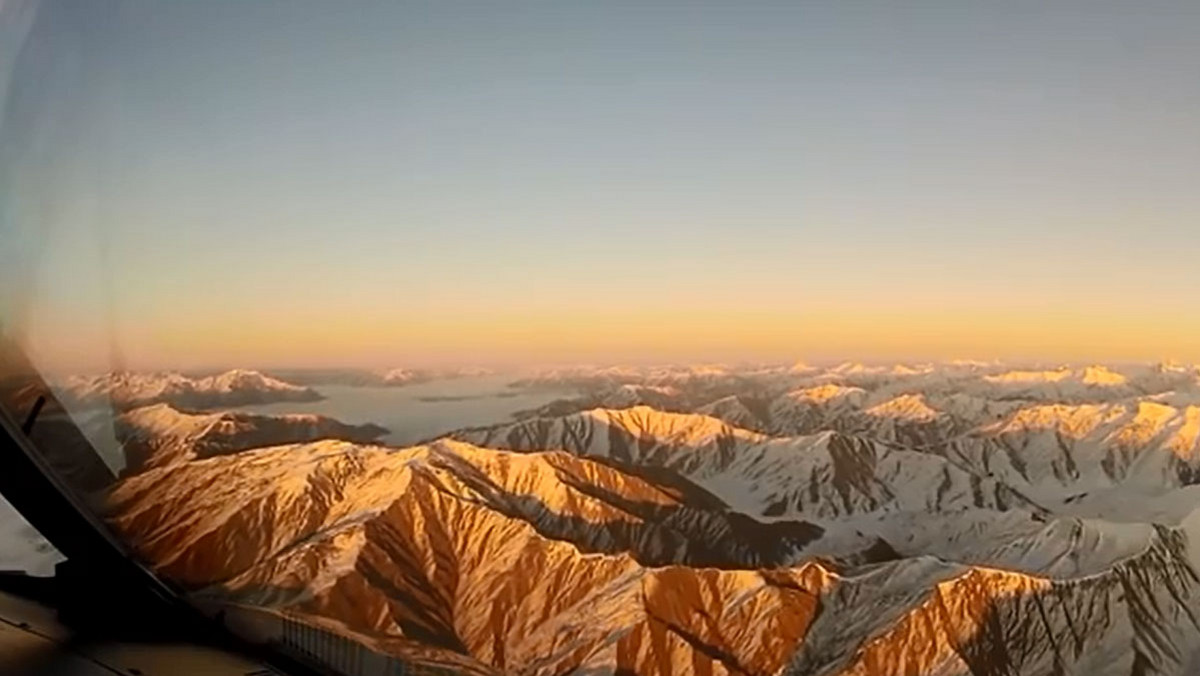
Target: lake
418, 412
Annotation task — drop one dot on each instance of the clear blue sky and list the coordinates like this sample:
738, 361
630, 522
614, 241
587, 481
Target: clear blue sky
385, 182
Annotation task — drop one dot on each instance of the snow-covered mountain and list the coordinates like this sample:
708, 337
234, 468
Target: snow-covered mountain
967, 518
552, 564
124, 390
827, 474
434, 544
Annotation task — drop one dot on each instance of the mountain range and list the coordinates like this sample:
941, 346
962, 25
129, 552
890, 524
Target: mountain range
125, 390
955, 519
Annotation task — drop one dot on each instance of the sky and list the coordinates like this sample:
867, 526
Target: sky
212, 184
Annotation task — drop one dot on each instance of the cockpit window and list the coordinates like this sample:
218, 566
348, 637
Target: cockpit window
619, 338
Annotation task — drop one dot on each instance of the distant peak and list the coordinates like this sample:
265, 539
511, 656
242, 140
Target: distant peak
850, 368
1028, 377
907, 407
801, 367
690, 427
1101, 375
1074, 421
825, 393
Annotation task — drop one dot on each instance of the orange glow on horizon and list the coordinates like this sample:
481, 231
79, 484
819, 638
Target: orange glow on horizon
603, 335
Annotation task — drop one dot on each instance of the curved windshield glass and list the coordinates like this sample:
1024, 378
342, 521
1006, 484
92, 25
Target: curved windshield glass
620, 338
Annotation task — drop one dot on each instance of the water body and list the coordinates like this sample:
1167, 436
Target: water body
418, 412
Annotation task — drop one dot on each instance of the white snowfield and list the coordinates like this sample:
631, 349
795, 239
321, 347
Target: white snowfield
965, 518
